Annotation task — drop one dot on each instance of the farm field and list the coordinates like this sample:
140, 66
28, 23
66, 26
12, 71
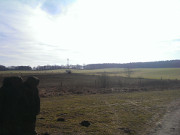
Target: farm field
133, 113
58, 82
151, 73
110, 101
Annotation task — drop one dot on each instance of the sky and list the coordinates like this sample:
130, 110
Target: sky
48, 32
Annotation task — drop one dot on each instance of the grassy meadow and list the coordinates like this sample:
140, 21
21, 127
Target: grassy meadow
109, 114
113, 103
151, 73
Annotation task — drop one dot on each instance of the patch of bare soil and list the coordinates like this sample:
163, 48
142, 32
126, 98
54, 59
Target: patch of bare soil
170, 123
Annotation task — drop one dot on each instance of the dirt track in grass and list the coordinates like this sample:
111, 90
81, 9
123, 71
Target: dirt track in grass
170, 123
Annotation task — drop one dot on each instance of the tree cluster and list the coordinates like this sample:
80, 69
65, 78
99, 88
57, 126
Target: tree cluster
45, 67
54, 67
3, 68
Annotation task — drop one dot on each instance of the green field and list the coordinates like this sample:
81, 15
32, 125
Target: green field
125, 106
111, 114
151, 73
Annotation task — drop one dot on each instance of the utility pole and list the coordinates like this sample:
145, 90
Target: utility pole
68, 67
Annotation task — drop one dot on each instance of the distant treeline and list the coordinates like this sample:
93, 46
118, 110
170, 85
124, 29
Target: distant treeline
46, 67
3, 68
156, 64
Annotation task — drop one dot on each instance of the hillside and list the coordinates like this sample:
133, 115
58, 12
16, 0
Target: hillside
156, 64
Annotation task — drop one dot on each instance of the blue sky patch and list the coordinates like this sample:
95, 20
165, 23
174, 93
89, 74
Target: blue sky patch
55, 6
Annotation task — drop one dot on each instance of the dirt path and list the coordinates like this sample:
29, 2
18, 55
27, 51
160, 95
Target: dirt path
170, 124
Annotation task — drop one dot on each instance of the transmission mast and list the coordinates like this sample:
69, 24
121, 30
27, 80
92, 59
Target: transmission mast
68, 63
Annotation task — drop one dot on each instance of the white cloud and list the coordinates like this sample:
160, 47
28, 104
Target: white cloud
95, 31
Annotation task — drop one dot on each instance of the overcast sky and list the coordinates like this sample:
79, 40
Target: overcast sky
40, 32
